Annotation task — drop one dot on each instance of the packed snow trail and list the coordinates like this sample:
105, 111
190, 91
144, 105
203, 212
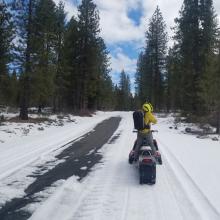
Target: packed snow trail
112, 191
20, 151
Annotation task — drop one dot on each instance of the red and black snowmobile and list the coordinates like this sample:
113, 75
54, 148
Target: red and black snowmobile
146, 162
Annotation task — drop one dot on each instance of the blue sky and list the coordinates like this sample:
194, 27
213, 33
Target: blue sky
123, 25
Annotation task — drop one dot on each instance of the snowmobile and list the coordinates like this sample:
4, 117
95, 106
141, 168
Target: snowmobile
146, 162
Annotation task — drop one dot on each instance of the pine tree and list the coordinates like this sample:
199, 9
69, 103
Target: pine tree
106, 95
156, 38
24, 13
88, 30
151, 63
58, 103
44, 53
142, 85
187, 36
104, 91
209, 84
6, 36
195, 34
174, 93
72, 75
208, 26
124, 93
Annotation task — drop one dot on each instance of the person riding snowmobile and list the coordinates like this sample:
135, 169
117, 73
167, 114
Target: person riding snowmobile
145, 133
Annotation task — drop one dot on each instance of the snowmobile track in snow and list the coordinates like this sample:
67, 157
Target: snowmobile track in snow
196, 196
112, 191
75, 157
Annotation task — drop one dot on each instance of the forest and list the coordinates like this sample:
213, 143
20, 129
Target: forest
47, 60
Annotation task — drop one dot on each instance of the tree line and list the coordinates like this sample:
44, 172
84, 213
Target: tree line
46, 60
186, 76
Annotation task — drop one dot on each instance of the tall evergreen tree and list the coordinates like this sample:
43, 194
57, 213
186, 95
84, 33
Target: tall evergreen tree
124, 93
151, 64
58, 103
156, 38
89, 31
24, 11
174, 91
6, 36
104, 90
45, 56
143, 86
71, 66
195, 37
208, 29
209, 84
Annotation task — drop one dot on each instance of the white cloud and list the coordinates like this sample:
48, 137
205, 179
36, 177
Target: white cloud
116, 26
115, 23
170, 10
217, 6
123, 62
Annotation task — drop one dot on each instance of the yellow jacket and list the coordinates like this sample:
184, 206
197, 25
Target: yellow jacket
148, 119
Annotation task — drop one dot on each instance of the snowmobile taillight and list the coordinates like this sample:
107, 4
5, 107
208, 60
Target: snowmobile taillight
157, 153
147, 160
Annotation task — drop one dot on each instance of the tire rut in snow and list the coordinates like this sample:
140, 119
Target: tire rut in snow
83, 153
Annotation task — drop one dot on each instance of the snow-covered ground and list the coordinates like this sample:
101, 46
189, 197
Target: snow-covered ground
187, 183
21, 154
18, 149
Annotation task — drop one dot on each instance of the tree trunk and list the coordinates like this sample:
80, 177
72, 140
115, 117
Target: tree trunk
26, 87
24, 103
39, 111
218, 123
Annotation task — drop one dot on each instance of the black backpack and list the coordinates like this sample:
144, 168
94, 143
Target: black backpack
138, 117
